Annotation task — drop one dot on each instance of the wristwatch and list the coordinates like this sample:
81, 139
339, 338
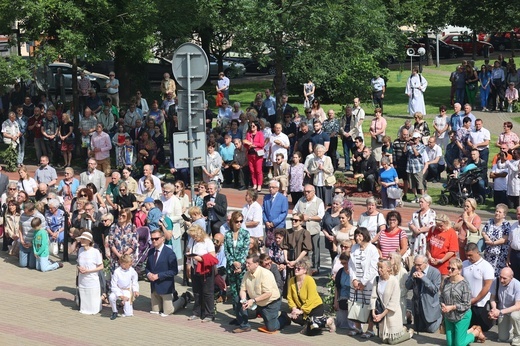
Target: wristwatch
500, 314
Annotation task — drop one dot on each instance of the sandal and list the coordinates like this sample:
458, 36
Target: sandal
368, 334
354, 332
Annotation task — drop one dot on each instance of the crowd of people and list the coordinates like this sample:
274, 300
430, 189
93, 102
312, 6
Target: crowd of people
146, 228
497, 84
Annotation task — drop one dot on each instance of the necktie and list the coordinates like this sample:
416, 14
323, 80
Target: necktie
156, 256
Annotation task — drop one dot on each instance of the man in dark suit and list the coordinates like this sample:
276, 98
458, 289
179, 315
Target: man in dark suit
275, 208
287, 109
161, 268
136, 133
425, 281
215, 208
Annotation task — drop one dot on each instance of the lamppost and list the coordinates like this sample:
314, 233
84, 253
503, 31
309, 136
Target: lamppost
412, 54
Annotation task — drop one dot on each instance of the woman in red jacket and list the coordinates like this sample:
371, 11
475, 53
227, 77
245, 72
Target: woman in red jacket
254, 144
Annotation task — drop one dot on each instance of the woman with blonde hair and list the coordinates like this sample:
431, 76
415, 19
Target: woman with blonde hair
468, 224
26, 183
386, 290
305, 303
400, 272
201, 253
66, 135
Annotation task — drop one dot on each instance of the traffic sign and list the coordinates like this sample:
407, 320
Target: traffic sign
199, 66
181, 156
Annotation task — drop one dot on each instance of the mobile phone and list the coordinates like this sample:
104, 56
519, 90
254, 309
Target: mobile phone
191, 255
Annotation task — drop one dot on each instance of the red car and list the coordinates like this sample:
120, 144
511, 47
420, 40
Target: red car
466, 43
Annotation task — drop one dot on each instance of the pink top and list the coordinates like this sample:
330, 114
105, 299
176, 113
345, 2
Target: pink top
390, 242
511, 139
378, 124
101, 141
257, 139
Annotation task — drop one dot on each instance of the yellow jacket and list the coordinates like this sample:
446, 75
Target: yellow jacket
308, 297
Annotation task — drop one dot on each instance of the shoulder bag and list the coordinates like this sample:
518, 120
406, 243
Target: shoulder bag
358, 311
379, 303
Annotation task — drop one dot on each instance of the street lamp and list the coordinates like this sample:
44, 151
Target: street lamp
420, 53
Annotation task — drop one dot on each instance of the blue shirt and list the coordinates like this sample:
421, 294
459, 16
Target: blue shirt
154, 215
387, 175
456, 121
227, 152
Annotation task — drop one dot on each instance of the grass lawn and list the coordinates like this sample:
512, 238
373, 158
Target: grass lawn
395, 106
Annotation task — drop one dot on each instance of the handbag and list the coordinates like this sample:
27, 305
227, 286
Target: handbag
330, 180
379, 139
260, 152
358, 311
70, 139
476, 237
54, 248
394, 192
379, 308
343, 304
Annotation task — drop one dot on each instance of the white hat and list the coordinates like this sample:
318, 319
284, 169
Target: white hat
86, 235
416, 135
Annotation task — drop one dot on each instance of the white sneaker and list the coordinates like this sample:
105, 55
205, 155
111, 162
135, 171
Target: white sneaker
154, 312
163, 315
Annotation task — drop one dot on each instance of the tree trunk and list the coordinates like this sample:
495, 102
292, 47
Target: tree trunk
75, 104
474, 41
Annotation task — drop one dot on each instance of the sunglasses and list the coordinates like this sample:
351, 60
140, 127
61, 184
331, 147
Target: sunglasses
299, 268
155, 239
451, 269
239, 221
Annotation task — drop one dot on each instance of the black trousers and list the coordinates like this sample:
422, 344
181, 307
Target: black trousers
332, 152
203, 293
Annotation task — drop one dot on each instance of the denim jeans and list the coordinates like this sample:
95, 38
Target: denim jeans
44, 265
21, 150
27, 258
269, 314
347, 147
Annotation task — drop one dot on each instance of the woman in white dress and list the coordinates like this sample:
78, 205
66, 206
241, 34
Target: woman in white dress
90, 263
252, 212
441, 126
362, 268
213, 169
421, 222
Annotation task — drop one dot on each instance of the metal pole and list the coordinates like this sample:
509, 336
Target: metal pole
190, 133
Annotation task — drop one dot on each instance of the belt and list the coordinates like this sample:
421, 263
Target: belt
114, 93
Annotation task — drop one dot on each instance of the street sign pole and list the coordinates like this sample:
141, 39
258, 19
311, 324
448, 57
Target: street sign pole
183, 58
190, 133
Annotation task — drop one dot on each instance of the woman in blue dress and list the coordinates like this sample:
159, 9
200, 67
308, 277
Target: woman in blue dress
484, 78
387, 178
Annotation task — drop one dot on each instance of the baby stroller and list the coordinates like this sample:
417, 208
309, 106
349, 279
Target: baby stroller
143, 248
457, 190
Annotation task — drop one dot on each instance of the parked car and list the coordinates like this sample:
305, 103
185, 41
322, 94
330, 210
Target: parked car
466, 43
251, 64
502, 40
97, 80
448, 51
231, 69
410, 43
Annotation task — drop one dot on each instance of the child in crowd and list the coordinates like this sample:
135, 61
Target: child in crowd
124, 286
41, 248
154, 214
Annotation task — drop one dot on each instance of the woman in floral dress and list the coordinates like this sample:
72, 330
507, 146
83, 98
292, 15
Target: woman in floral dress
422, 221
496, 234
236, 248
122, 239
296, 175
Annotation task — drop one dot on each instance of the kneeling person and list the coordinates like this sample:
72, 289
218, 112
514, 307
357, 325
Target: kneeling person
124, 286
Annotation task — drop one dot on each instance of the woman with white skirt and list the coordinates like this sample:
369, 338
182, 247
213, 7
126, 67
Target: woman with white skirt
90, 263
